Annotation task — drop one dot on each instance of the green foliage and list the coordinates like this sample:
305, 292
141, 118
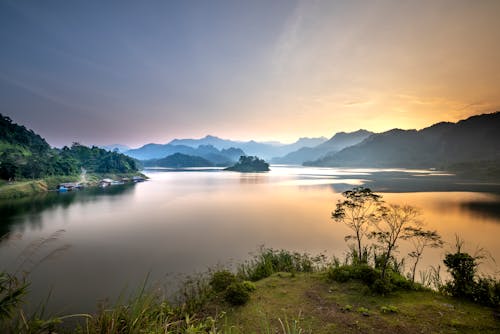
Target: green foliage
382, 286
249, 286
462, 268
486, 290
237, 294
234, 291
340, 274
347, 308
250, 164
371, 277
26, 155
97, 160
363, 310
358, 211
389, 309
362, 272
291, 327
269, 261
19, 135
12, 292
221, 280
465, 283
366, 274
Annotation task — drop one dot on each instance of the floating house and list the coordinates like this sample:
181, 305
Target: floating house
68, 186
105, 183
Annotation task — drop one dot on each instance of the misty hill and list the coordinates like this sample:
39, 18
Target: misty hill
336, 143
208, 152
439, 146
178, 160
207, 140
115, 147
264, 149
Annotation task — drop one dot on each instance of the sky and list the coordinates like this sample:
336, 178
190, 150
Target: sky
134, 72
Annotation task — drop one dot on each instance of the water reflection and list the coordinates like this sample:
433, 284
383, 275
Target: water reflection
253, 178
487, 209
15, 213
186, 221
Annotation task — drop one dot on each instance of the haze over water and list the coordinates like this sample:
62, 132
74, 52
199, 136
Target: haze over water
181, 222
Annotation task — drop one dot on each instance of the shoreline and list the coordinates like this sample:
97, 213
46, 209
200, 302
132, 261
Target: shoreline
27, 188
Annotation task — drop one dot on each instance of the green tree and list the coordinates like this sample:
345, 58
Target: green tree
462, 267
358, 211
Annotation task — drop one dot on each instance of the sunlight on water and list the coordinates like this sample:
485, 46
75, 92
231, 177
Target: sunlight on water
181, 222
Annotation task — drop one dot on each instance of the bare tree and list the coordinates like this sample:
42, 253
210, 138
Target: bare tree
422, 239
397, 223
358, 211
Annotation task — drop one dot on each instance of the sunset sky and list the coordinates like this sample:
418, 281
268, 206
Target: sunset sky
133, 72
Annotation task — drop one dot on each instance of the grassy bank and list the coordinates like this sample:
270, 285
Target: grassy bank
26, 188
291, 293
20, 189
308, 303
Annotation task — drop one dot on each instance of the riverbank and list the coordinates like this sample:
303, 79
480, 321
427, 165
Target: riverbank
275, 292
287, 303
309, 303
26, 188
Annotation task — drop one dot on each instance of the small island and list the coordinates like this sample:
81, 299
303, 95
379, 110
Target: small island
249, 164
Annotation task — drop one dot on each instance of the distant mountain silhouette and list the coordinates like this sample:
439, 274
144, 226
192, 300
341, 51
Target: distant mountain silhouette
178, 160
224, 157
266, 150
476, 138
207, 140
118, 147
336, 143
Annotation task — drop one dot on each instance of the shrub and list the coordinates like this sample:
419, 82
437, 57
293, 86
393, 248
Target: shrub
221, 280
237, 293
340, 274
400, 282
382, 286
249, 286
366, 274
462, 268
389, 309
269, 261
486, 291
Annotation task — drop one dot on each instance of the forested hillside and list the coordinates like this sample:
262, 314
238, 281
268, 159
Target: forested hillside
25, 154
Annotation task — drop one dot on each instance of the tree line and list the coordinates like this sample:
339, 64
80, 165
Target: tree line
25, 154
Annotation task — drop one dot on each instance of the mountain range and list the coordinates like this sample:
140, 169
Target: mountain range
441, 145
179, 160
221, 157
336, 143
266, 150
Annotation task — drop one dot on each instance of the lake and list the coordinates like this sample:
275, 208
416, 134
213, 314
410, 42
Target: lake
82, 247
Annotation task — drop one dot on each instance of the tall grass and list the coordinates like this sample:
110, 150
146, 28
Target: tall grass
269, 261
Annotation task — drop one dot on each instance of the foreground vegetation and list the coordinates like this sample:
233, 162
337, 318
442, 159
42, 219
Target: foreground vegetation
278, 291
275, 292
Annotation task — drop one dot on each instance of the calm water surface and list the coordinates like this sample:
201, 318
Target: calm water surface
103, 240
